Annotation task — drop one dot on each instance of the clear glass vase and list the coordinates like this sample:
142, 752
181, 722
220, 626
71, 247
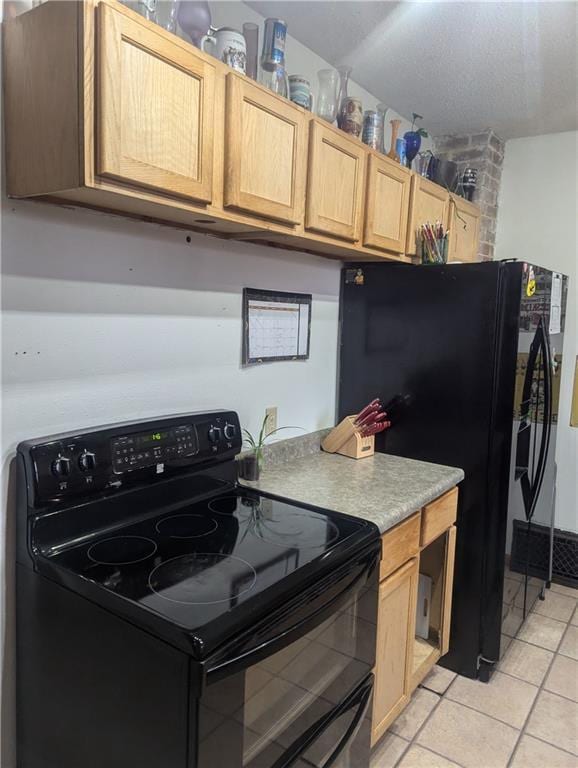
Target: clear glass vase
344, 75
148, 9
167, 14
274, 77
327, 95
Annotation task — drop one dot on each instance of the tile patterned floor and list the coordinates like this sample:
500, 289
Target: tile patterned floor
525, 717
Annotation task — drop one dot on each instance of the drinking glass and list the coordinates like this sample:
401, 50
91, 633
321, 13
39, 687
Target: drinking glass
423, 160
327, 96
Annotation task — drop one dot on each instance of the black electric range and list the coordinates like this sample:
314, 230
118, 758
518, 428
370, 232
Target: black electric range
139, 554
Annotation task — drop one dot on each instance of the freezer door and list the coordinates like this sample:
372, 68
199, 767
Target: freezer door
428, 334
530, 522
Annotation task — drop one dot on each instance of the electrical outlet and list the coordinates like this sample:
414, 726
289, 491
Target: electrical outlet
271, 414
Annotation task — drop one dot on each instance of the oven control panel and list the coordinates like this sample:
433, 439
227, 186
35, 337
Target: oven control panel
87, 462
156, 447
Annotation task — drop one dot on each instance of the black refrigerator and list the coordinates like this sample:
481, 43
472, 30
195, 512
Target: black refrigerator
468, 357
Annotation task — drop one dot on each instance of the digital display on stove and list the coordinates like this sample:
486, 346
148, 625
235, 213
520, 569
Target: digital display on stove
145, 449
156, 437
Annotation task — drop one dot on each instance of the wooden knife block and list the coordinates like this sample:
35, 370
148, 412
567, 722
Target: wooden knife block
346, 440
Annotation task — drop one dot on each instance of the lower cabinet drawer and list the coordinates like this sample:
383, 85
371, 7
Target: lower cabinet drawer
438, 516
399, 545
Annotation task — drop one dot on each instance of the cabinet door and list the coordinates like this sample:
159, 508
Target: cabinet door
334, 183
394, 651
448, 589
464, 230
265, 152
386, 205
155, 104
429, 203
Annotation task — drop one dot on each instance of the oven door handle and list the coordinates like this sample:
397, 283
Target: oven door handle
359, 698
364, 696
271, 645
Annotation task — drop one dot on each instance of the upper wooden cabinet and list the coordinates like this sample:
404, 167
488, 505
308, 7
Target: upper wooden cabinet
105, 109
386, 204
334, 182
154, 110
464, 230
265, 152
429, 203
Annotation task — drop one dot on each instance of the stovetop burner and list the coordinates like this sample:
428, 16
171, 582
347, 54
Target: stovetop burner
192, 564
121, 550
202, 578
186, 526
242, 507
296, 530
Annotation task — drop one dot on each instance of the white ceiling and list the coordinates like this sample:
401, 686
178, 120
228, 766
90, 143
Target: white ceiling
464, 66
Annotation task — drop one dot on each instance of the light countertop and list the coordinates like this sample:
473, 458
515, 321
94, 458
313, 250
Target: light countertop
382, 488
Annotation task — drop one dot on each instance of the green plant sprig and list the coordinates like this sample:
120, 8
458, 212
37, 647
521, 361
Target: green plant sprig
257, 444
420, 131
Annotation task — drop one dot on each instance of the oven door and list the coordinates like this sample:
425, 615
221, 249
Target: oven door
301, 695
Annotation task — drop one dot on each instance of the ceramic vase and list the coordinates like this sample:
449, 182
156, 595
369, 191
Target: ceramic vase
194, 17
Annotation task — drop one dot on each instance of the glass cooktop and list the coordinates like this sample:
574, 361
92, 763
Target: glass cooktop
193, 565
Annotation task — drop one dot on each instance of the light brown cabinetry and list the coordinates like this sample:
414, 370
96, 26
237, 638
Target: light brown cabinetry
334, 183
394, 646
399, 545
438, 516
436, 560
422, 544
107, 110
386, 204
154, 110
464, 223
265, 152
429, 203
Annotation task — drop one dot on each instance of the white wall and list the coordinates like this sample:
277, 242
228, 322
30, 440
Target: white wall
537, 222
106, 320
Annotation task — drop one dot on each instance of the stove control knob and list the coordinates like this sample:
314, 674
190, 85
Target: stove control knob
87, 461
214, 434
61, 467
229, 431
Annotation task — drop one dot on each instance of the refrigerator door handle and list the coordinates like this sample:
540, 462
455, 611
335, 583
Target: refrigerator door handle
547, 415
531, 486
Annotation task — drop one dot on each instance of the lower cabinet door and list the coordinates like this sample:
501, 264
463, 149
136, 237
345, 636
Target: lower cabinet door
448, 589
394, 650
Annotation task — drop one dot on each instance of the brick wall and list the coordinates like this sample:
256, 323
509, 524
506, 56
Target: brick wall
484, 151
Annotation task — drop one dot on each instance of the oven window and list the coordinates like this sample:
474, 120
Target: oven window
257, 717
